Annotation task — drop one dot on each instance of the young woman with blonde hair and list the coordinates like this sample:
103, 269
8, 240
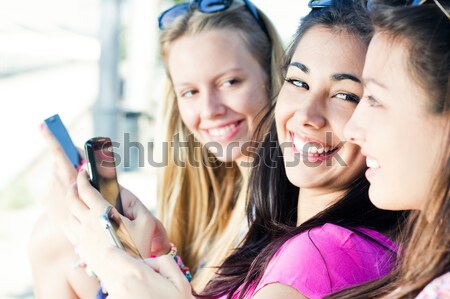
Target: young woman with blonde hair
202, 205
222, 69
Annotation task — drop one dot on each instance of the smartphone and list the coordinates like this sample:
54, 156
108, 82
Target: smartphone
103, 176
55, 125
102, 169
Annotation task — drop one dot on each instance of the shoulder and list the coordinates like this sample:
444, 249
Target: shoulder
333, 239
438, 288
325, 259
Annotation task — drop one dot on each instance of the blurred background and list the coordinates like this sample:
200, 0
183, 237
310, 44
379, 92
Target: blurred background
79, 58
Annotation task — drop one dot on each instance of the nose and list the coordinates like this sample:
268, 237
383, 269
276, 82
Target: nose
310, 114
353, 131
212, 104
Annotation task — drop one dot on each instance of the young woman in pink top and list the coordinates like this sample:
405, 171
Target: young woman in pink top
313, 230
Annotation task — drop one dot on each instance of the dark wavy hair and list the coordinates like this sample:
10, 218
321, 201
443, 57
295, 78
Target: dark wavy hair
272, 205
425, 32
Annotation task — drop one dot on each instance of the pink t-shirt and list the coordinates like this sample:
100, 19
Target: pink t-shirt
327, 259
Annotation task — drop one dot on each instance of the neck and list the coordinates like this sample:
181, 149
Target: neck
313, 201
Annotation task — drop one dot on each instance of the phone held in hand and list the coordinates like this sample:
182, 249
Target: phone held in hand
103, 175
55, 125
102, 169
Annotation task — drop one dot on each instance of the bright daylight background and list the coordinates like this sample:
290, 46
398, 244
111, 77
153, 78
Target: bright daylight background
49, 63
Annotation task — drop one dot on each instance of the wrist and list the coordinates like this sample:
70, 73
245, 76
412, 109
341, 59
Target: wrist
185, 270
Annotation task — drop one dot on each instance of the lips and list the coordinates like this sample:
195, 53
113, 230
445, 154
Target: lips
224, 131
372, 163
310, 147
312, 150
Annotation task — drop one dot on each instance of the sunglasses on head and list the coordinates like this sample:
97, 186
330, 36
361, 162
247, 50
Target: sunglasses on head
205, 6
318, 4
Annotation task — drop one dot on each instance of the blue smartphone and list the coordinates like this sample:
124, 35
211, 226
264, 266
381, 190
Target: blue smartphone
55, 125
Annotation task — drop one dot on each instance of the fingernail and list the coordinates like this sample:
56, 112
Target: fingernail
41, 126
83, 162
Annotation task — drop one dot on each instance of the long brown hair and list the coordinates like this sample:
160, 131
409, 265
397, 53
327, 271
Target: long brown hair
202, 206
425, 30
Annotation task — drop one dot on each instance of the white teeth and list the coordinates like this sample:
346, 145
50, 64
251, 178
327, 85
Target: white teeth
372, 163
219, 132
314, 150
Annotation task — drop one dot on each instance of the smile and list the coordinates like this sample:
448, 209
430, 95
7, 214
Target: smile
224, 132
314, 150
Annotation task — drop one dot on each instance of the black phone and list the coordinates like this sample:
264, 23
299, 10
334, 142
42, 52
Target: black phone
103, 175
102, 169
56, 126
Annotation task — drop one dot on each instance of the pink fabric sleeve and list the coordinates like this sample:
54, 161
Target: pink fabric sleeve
327, 259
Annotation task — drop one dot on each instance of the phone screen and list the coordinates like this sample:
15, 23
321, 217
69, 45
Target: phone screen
102, 170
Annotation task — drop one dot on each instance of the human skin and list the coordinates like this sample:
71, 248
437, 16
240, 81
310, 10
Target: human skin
396, 130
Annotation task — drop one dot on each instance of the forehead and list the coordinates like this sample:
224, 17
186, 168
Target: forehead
208, 53
387, 60
322, 48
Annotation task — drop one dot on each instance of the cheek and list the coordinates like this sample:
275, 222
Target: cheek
189, 115
354, 158
250, 102
283, 111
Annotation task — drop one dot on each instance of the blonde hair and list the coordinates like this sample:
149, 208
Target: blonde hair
202, 206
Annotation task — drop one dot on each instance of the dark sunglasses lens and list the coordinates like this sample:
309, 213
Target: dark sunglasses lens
167, 17
210, 6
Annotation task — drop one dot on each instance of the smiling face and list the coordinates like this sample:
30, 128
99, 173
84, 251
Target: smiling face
220, 88
320, 93
393, 126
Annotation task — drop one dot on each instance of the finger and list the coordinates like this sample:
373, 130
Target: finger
76, 206
167, 267
129, 201
90, 196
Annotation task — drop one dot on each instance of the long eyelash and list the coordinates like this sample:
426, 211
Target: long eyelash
291, 81
372, 101
349, 97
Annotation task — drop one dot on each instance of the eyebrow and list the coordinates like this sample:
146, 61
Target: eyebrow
237, 69
340, 77
300, 66
335, 77
373, 81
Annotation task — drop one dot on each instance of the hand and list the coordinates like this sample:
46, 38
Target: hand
156, 278
146, 230
63, 175
122, 275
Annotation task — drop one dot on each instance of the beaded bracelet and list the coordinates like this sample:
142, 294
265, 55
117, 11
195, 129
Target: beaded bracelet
173, 252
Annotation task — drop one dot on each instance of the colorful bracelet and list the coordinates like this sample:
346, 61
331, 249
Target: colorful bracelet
173, 252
